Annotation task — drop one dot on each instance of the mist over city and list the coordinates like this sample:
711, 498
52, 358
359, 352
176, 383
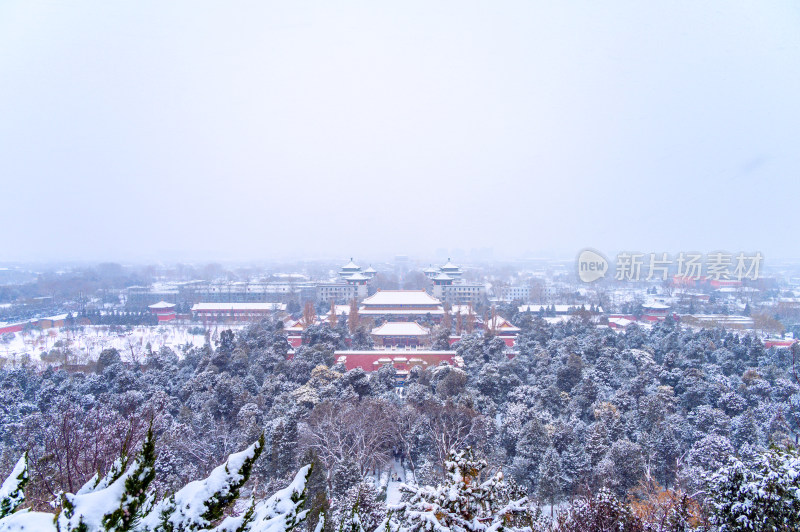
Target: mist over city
418, 266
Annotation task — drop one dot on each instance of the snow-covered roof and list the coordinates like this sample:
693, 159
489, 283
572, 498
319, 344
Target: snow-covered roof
401, 297
554, 320
461, 309
351, 266
401, 312
161, 304
501, 324
442, 277
450, 266
295, 326
400, 328
370, 270
57, 317
655, 305
358, 277
339, 310
622, 322
722, 319
240, 307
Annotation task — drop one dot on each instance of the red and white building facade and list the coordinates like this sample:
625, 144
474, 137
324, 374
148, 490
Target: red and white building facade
164, 311
401, 334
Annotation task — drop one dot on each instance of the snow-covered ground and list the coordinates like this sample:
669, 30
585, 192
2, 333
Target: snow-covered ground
391, 480
86, 343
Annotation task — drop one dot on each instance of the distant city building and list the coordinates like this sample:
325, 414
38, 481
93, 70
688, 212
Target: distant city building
460, 294
353, 283
228, 312
191, 292
550, 291
450, 287
441, 282
719, 320
359, 282
336, 292
515, 293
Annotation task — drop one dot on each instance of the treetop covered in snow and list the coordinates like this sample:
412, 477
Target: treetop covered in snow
121, 501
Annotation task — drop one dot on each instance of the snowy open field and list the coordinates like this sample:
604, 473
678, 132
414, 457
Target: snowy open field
86, 343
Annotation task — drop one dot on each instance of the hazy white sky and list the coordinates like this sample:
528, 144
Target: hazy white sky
237, 130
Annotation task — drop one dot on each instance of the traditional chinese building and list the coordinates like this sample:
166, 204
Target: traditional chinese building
7, 328
164, 311
440, 282
503, 329
431, 272
52, 322
353, 283
779, 343
401, 334
450, 269
401, 305
349, 269
359, 283
402, 360
370, 272
655, 311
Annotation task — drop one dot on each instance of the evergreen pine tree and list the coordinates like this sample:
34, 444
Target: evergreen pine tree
764, 495
551, 483
463, 503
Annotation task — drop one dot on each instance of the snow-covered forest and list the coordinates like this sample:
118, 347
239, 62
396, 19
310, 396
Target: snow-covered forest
584, 429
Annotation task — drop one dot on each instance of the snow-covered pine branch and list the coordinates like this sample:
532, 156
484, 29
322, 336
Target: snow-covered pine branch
120, 501
112, 504
199, 504
12, 491
282, 512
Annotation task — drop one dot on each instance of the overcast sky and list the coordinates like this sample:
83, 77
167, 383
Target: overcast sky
235, 130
